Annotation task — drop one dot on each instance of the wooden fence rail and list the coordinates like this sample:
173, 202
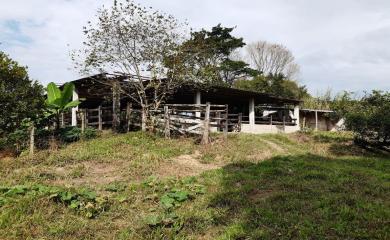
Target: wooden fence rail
198, 119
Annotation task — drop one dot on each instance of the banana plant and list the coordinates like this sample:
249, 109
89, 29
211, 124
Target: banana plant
59, 101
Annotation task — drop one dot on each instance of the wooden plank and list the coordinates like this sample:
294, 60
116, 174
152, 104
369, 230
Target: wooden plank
100, 120
206, 130
167, 131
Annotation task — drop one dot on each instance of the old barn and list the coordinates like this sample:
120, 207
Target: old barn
230, 109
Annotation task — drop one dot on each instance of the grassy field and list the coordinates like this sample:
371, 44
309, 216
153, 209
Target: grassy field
138, 186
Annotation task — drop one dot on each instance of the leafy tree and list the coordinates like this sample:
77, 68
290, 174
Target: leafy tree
20, 97
58, 101
369, 118
277, 85
207, 55
137, 42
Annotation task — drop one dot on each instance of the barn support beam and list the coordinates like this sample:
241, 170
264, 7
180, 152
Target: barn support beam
296, 115
252, 112
75, 97
198, 101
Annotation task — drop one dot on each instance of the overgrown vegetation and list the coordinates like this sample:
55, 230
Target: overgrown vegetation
139, 186
369, 118
20, 99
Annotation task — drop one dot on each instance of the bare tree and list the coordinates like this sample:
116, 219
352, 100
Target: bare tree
273, 59
134, 42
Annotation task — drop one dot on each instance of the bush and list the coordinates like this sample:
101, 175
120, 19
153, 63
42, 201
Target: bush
333, 136
73, 134
369, 118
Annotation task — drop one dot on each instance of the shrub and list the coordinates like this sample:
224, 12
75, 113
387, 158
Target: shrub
369, 118
73, 134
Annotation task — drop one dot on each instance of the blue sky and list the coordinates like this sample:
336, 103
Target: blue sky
342, 45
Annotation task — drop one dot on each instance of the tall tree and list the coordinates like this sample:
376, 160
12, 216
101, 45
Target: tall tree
20, 97
137, 42
208, 56
275, 59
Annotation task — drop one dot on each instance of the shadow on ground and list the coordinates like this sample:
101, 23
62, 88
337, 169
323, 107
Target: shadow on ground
304, 197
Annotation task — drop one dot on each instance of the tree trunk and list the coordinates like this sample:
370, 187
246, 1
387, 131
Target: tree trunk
116, 107
144, 119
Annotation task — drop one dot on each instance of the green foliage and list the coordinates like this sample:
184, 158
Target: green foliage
83, 201
369, 118
73, 134
173, 193
174, 198
59, 101
332, 137
207, 55
277, 85
20, 97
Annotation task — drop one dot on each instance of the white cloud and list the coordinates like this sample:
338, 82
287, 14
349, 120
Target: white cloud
339, 44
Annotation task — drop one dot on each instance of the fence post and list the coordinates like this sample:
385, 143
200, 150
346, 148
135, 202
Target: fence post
271, 120
82, 115
116, 107
206, 127
167, 130
284, 123
100, 118
218, 116
239, 122
128, 115
32, 140
226, 127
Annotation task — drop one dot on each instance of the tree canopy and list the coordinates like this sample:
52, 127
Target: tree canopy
276, 85
208, 56
135, 42
20, 97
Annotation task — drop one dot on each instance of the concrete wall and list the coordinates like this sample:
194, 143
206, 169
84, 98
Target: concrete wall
324, 123
258, 129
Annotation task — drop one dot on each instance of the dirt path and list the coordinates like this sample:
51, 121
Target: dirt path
186, 165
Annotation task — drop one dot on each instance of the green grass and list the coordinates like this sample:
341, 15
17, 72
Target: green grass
299, 186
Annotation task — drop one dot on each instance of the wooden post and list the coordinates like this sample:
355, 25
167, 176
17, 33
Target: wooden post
226, 127
218, 116
167, 131
271, 120
86, 118
82, 114
128, 115
284, 123
116, 107
316, 113
32, 140
239, 122
206, 126
100, 118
